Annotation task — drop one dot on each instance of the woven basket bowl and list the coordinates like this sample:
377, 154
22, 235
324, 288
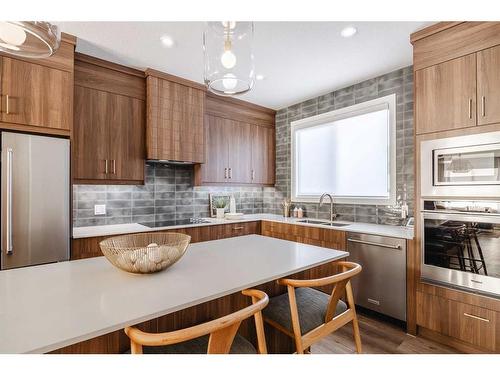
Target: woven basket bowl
145, 252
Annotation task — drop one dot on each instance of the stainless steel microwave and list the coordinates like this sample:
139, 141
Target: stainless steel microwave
461, 167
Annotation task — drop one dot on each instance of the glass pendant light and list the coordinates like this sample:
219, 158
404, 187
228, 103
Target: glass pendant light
32, 39
229, 66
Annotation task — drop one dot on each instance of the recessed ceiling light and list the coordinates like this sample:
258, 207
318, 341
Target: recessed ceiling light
259, 77
167, 41
348, 31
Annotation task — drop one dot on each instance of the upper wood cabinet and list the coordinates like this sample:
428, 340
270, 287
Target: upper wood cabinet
37, 95
215, 168
240, 143
446, 95
488, 86
263, 155
174, 118
239, 140
109, 123
229, 150
457, 75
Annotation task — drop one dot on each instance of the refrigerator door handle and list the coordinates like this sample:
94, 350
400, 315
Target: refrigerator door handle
9, 249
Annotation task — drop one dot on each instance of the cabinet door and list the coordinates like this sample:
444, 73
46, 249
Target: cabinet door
240, 152
91, 134
488, 86
189, 142
262, 155
446, 95
216, 156
175, 121
126, 120
36, 95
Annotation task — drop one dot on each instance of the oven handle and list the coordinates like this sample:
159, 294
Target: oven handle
470, 218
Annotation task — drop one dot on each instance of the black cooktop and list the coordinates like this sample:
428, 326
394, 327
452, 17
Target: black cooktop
169, 223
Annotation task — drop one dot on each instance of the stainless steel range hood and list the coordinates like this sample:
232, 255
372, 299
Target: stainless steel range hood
171, 162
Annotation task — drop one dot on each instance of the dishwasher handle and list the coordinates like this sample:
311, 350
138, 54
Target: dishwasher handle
395, 247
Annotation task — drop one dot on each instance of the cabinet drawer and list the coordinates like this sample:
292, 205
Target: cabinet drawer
242, 229
472, 324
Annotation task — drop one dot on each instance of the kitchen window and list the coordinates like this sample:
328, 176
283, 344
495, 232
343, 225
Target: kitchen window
350, 152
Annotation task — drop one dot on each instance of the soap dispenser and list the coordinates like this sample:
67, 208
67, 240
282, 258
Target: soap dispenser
232, 205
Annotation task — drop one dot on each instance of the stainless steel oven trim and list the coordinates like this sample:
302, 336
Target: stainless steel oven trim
479, 283
427, 187
459, 150
470, 218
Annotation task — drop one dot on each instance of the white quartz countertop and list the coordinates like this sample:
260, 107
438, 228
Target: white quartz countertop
377, 229
43, 308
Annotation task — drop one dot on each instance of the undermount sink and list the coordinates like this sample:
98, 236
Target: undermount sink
329, 223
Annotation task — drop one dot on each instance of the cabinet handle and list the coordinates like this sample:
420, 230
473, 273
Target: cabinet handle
230, 173
395, 247
7, 111
8, 224
237, 228
106, 166
476, 317
483, 106
253, 175
113, 163
225, 173
470, 108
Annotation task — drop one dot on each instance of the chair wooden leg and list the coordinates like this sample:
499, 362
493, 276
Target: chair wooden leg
357, 336
135, 348
295, 320
355, 325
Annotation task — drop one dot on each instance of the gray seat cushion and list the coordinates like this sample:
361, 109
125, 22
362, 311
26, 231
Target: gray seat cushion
311, 303
199, 346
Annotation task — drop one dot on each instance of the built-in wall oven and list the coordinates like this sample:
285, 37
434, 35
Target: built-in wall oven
465, 166
460, 243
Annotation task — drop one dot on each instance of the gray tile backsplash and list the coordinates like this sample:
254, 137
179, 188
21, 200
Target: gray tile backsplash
399, 82
168, 193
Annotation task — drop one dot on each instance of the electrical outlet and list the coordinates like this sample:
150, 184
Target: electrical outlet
99, 209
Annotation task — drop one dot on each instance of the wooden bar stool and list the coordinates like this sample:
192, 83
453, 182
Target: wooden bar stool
218, 336
307, 315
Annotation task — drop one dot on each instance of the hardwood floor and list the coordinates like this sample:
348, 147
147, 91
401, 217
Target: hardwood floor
378, 337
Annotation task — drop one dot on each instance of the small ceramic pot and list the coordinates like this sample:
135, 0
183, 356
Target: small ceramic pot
220, 213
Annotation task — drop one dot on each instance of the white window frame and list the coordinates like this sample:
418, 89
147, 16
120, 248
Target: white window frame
386, 102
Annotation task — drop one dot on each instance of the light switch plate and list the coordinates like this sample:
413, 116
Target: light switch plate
99, 209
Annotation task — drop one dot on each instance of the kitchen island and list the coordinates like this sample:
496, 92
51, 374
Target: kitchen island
48, 307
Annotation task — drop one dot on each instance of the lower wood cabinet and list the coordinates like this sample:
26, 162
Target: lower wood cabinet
462, 322
89, 247
333, 239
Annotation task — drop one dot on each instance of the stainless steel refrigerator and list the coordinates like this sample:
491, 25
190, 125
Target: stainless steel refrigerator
35, 202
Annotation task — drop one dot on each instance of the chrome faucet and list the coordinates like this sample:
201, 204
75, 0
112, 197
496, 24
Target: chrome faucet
333, 215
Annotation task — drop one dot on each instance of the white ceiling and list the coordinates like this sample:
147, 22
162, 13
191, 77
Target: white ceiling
300, 60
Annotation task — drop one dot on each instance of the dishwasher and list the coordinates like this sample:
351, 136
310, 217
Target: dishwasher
381, 285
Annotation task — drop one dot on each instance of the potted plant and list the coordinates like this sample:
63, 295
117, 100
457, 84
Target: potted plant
220, 207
